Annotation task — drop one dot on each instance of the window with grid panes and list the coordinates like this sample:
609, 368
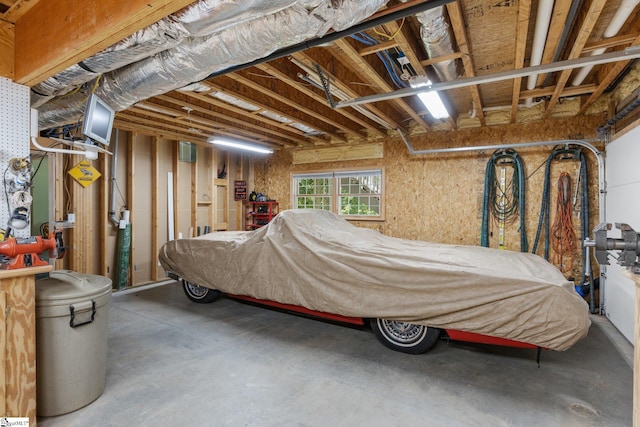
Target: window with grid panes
352, 194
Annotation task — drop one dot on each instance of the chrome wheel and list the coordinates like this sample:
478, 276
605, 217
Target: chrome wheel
199, 294
403, 336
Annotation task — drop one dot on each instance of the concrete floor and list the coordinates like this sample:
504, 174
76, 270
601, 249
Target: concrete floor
175, 363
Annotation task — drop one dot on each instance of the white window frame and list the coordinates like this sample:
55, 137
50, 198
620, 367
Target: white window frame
334, 193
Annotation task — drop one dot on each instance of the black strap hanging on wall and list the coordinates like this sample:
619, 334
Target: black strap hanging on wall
492, 193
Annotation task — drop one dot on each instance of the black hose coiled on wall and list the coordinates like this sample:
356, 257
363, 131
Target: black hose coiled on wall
543, 221
518, 192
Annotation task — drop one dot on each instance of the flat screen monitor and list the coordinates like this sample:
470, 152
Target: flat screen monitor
98, 120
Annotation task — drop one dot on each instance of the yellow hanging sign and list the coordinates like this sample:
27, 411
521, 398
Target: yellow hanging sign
84, 173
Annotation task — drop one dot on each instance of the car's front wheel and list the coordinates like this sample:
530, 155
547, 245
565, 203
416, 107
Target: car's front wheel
404, 337
199, 294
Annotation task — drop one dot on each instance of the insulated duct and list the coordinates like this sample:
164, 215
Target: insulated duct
188, 46
437, 40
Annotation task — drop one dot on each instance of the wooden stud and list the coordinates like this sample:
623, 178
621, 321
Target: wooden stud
194, 195
131, 201
104, 221
155, 206
176, 193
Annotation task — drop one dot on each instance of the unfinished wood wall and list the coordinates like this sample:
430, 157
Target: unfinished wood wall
439, 197
143, 167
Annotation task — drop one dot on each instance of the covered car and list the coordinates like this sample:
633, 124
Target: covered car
317, 260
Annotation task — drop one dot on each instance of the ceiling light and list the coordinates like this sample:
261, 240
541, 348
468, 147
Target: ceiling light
241, 145
430, 99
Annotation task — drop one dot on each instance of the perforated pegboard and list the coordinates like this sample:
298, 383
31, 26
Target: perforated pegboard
14, 135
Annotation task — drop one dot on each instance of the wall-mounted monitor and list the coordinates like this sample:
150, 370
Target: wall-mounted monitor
98, 120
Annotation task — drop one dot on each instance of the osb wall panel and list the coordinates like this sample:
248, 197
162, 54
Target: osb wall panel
439, 197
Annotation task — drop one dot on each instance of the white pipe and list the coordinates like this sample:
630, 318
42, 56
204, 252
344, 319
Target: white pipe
618, 20
539, 38
91, 153
543, 18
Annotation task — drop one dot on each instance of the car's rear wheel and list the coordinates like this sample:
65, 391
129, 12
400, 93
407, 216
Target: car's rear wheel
404, 337
199, 294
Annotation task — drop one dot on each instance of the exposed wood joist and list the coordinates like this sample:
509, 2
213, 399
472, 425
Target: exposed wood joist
556, 27
625, 39
249, 115
457, 23
591, 18
521, 41
409, 52
351, 56
613, 73
347, 89
566, 92
273, 71
256, 103
45, 46
260, 132
273, 94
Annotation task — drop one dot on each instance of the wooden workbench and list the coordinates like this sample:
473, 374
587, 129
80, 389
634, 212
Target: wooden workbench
18, 342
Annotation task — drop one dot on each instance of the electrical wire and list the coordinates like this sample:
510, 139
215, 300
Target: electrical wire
513, 197
387, 61
563, 234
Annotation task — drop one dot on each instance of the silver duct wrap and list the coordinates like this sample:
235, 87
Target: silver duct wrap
161, 58
436, 36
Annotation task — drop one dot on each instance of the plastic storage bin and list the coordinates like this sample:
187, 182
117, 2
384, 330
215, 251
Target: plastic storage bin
71, 340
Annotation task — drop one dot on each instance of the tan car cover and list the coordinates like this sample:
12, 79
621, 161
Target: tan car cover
315, 259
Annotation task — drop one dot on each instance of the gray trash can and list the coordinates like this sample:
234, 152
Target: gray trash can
71, 340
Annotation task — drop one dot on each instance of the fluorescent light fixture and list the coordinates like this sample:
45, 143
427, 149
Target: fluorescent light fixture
430, 99
241, 145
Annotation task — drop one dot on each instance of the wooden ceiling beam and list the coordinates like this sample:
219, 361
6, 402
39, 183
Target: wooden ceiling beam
410, 54
610, 42
308, 62
615, 71
566, 92
591, 18
273, 94
154, 131
556, 27
53, 35
369, 50
524, 12
241, 124
268, 108
17, 9
460, 33
367, 70
271, 70
252, 116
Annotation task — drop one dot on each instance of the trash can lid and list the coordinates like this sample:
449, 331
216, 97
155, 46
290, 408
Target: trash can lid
67, 284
